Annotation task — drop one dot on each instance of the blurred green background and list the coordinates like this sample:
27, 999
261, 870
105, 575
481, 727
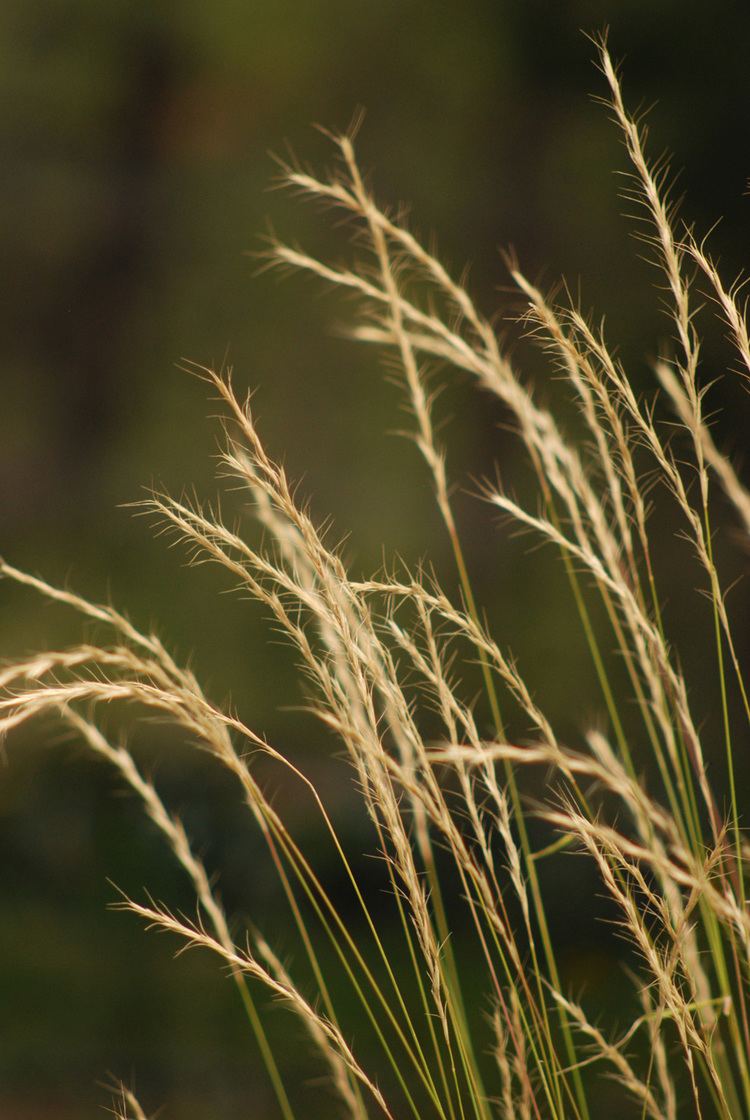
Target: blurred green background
135, 165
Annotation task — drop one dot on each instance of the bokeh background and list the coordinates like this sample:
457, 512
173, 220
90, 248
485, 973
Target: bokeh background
135, 144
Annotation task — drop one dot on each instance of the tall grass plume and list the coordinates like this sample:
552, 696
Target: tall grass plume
449, 811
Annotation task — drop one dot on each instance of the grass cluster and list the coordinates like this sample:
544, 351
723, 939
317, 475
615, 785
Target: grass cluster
443, 788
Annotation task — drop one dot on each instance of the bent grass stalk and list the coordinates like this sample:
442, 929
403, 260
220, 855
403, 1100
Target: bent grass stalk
377, 658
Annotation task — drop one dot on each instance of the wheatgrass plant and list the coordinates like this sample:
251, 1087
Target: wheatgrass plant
448, 813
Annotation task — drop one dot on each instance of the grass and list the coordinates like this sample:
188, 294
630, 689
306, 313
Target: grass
443, 779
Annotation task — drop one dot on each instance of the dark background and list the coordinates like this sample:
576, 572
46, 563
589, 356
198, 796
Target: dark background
135, 165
